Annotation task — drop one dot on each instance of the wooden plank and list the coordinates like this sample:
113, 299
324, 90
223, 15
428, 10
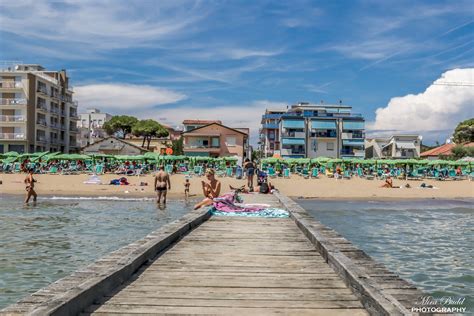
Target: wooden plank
134, 311
249, 303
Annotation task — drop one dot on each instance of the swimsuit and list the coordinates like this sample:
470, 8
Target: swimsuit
161, 189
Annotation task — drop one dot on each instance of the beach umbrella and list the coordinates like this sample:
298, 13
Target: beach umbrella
11, 154
335, 160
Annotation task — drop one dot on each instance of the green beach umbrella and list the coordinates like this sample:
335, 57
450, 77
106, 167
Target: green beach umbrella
11, 154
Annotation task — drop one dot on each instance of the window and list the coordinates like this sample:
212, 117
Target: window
215, 142
330, 146
230, 141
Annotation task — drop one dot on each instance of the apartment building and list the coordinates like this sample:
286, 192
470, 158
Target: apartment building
91, 126
37, 110
270, 132
313, 130
396, 146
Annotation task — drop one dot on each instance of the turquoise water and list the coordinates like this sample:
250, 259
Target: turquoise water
40, 244
429, 242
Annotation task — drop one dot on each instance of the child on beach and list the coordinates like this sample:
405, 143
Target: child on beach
187, 184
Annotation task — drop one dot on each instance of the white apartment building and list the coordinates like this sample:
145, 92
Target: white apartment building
91, 126
37, 110
396, 146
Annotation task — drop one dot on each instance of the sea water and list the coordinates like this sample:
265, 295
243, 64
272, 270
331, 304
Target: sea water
42, 243
428, 242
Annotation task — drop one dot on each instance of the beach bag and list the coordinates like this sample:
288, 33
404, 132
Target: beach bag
264, 189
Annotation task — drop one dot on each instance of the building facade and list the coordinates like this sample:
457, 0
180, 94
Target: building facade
270, 132
396, 146
91, 126
37, 110
112, 145
216, 140
309, 130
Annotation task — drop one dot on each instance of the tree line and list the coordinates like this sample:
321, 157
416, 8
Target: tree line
123, 125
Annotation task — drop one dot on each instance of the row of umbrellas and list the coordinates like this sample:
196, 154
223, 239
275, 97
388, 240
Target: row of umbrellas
330, 161
47, 156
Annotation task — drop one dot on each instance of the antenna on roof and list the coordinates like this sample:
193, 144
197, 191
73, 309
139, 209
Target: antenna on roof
340, 101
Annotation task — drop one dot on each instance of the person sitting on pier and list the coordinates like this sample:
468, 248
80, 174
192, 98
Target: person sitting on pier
210, 190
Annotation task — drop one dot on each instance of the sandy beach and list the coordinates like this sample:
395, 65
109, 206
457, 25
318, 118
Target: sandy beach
296, 186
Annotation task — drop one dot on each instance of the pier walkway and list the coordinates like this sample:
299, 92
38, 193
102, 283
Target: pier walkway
236, 265
204, 264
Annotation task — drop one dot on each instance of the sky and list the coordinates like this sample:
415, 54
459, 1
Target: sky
230, 60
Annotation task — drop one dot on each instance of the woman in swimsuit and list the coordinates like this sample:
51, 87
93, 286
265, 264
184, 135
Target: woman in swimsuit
211, 190
30, 186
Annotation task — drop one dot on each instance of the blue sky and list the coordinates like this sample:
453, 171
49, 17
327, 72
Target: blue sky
172, 60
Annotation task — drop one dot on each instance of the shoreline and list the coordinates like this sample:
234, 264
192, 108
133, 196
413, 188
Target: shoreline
194, 197
296, 187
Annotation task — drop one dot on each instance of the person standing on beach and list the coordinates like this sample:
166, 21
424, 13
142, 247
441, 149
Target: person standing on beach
30, 186
187, 184
162, 184
249, 168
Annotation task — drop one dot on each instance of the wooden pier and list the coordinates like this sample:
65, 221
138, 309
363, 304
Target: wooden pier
231, 265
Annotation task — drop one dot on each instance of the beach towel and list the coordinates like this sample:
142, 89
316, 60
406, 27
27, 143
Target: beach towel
225, 205
93, 180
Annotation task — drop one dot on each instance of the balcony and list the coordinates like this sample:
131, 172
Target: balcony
55, 111
63, 127
42, 122
42, 107
12, 136
11, 85
73, 115
270, 125
292, 152
41, 138
324, 134
55, 94
42, 89
356, 135
4, 101
12, 118
54, 125
63, 113
271, 116
73, 129
294, 134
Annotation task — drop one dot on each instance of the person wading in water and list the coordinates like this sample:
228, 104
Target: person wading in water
162, 184
30, 186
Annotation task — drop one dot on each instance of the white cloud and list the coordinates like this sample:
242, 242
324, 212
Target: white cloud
121, 96
99, 25
439, 107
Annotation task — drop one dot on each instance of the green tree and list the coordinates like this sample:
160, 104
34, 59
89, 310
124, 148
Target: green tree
148, 129
464, 132
459, 151
177, 146
120, 124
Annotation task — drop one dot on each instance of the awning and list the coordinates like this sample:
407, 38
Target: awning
352, 125
353, 142
405, 145
323, 124
293, 141
293, 124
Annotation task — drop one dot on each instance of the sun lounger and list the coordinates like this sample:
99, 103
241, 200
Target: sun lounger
286, 173
315, 173
346, 175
